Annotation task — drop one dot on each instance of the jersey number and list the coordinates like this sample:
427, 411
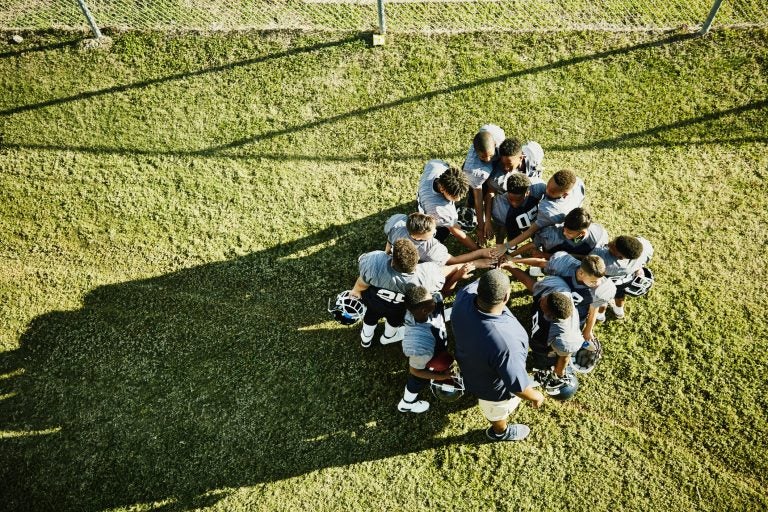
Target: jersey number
390, 296
524, 219
577, 298
535, 323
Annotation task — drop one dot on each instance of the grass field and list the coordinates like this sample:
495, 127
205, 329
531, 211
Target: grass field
176, 211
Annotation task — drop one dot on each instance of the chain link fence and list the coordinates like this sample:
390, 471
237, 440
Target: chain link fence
424, 16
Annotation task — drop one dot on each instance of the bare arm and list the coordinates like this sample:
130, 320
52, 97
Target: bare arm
359, 288
462, 237
590, 323
388, 248
454, 274
533, 395
477, 194
489, 252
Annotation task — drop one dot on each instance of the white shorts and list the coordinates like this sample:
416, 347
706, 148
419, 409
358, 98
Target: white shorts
497, 411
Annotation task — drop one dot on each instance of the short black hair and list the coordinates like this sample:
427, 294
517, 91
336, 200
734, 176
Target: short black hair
510, 147
560, 305
415, 295
629, 246
517, 183
420, 223
578, 219
493, 287
593, 265
405, 256
483, 142
454, 182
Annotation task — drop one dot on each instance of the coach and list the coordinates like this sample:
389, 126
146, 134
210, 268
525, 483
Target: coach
491, 348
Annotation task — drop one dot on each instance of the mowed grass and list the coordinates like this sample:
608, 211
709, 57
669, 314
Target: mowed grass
176, 211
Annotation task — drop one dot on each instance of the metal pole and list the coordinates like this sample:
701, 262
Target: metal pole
382, 20
710, 18
91, 21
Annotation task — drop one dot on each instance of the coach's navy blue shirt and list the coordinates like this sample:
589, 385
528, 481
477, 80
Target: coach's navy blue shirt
491, 350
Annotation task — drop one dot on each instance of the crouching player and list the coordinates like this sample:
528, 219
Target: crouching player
625, 260
425, 336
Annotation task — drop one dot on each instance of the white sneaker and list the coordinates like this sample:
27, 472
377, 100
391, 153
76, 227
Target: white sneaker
600, 317
416, 407
398, 336
618, 311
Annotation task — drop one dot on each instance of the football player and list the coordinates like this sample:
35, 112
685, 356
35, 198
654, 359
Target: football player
381, 286
577, 236
420, 229
564, 192
515, 209
440, 186
625, 260
425, 335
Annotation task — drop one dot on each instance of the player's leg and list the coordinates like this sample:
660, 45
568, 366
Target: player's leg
394, 318
497, 413
409, 402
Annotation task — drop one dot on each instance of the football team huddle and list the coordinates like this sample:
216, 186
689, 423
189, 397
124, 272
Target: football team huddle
534, 231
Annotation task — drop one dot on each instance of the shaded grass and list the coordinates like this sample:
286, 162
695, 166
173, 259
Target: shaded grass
177, 210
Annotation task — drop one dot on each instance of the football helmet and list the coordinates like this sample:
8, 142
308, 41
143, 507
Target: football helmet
347, 309
640, 284
559, 388
467, 218
451, 389
534, 156
587, 357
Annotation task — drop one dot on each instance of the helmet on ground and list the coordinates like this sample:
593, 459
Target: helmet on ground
640, 284
534, 156
451, 389
347, 309
467, 218
562, 388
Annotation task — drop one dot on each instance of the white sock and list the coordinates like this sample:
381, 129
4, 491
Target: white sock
368, 330
389, 331
408, 396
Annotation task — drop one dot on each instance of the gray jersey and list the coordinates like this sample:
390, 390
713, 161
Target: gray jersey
476, 170
421, 338
429, 250
553, 211
564, 336
564, 265
432, 202
376, 270
622, 270
501, 205
551, 239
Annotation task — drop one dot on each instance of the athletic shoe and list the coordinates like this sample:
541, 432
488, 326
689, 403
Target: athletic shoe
514, 432
398, 336
600, 317
365, 341
618, 311
416, 407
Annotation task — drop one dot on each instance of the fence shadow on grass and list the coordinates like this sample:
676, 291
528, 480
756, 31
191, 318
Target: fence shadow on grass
228, 374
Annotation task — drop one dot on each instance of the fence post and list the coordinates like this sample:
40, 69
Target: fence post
91, 21
710, 18
378, 39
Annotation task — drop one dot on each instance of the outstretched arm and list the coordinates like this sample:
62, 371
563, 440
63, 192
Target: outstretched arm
462, 237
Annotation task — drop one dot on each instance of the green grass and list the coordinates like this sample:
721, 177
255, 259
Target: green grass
177, 210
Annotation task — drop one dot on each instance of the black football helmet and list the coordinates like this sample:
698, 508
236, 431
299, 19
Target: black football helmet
640, 284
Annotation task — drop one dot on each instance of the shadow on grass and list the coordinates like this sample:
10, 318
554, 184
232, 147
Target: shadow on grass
175, 388
22, 50
170, 78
